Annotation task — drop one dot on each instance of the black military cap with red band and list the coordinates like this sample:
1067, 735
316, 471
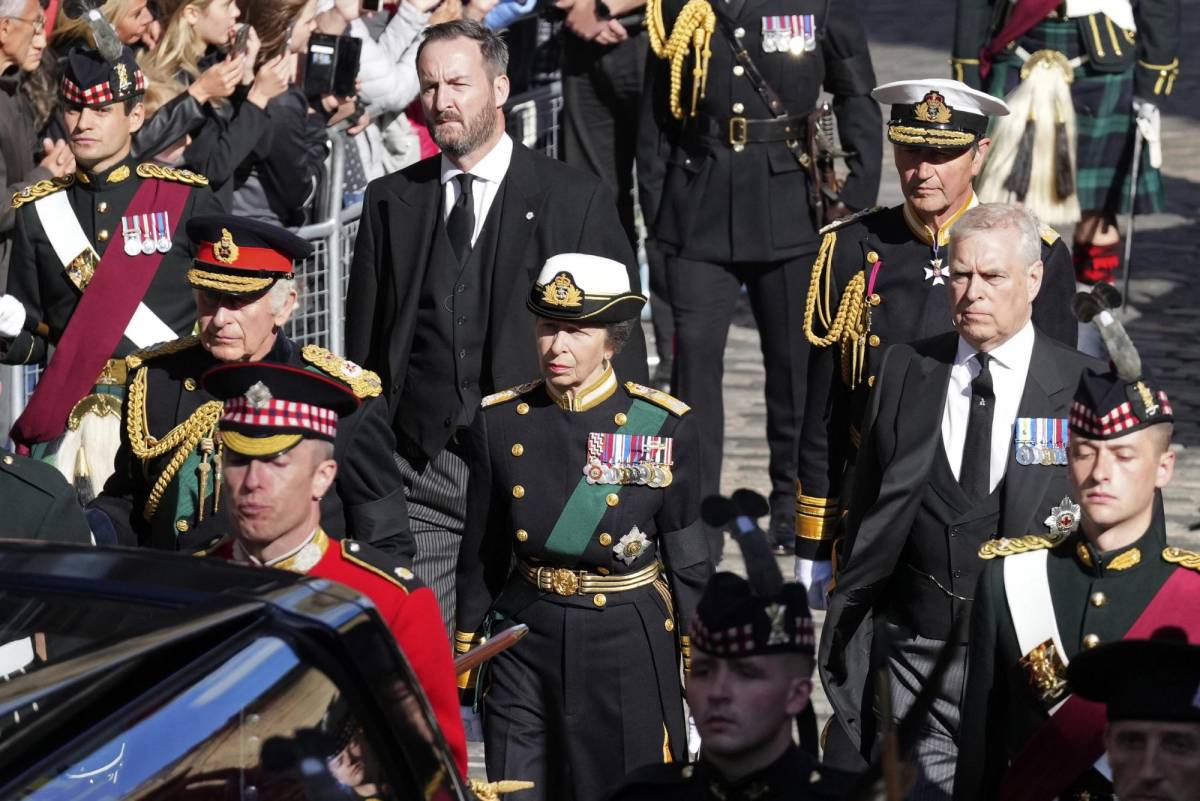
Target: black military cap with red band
237, 256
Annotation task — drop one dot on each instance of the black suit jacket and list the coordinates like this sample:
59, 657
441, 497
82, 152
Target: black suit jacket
548, 208
903, 434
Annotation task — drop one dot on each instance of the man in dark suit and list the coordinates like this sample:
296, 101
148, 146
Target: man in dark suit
998, 392
445, 254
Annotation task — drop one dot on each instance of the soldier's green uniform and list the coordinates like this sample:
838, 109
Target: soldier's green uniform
36, 503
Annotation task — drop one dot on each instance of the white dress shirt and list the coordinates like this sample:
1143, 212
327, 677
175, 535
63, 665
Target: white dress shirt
489, 172
1009, 368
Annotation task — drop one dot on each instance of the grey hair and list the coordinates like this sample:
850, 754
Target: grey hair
491, 44
12, 8
1002, 217
617, 334
277, 294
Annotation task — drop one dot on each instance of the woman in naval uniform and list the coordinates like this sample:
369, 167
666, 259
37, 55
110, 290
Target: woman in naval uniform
582, 522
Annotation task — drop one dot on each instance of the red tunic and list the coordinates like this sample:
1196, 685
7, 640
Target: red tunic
408, 607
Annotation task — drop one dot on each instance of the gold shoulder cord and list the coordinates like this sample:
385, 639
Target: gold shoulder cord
694, 26
183, 437
848, 328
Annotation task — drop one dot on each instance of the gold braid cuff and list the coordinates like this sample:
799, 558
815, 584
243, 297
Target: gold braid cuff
463, 642
694, 26
184, 438
848, 328
816, 518
491, 791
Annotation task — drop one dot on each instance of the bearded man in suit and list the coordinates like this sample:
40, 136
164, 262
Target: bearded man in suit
446, 251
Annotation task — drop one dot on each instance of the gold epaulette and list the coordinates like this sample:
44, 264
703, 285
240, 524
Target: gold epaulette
149, 170
365, 558
40, 189
1048, 234
505, 395
1182, 557
999, 548
364, 382
135, 360
849, 218
658, 398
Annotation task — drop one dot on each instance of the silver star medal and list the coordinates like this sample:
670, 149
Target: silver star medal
258, 395
1063, 518
631, 546
936, 271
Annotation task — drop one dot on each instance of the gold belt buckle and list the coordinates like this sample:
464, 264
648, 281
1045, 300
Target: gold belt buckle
737, 131
563, 581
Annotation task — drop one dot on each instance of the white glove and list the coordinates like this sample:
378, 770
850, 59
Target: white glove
816, 575
1149, 123
472, 725
12, 316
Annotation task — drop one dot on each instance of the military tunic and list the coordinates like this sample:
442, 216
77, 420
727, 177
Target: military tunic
408, 608
36, 503
593, 690
1096, 596
37, 277
795, 776
877, 282
168, 436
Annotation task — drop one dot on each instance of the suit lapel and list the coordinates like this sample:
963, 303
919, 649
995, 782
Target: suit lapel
420, 200
1045, 395
520, 214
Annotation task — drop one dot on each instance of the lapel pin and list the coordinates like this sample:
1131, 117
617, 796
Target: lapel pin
529, 215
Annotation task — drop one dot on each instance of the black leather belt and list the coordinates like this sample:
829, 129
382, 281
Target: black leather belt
740, 131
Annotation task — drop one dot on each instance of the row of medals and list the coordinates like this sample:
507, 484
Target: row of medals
1039, 453
647, 474
784, 42
136, 242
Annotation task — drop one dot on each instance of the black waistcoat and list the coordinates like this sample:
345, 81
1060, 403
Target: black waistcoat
442, 388
940, 564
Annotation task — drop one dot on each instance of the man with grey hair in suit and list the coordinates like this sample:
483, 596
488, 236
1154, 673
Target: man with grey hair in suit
941, 472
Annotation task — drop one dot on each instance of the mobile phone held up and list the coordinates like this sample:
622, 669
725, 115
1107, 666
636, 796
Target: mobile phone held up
370, 6
241, 41
331, 66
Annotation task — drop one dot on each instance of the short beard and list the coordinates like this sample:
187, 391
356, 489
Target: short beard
478, 130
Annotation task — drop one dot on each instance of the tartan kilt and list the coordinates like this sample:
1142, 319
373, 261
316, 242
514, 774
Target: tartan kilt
1104, 123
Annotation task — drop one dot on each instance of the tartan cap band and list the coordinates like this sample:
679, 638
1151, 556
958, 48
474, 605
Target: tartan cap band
276, 416
100, 94
1120, 420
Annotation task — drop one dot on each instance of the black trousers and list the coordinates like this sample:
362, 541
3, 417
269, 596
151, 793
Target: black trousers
704, 296
602, 97
585, 697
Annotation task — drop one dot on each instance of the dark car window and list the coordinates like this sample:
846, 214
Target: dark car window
262, 726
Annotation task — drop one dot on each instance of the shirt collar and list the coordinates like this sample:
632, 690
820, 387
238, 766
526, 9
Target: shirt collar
1012, 354
491, 168
925, 233
580, 400
300, 559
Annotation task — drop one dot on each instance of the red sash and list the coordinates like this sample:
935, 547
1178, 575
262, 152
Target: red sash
94, 331
1025, 15
1071, 741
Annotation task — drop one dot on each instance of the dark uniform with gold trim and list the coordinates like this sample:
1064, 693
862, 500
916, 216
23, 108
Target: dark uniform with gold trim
1095, 596
592, 541
875, 283
36, 503
795, 776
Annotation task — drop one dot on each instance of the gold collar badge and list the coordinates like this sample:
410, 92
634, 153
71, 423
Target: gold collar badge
225, 250
562, 291
933, 108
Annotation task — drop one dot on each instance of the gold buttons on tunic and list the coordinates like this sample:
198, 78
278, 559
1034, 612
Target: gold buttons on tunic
739, 70
102, 207
669, 624
738, 108
606, 539
599, 600
1090, 641
518, 449
518, 491
522, 535
604, 571
182, 525
619, 418
612, 499
1098, 599
8, 460
872, 257
522, 408
870, 381
102, 234
189, 384
874, 341
874, 299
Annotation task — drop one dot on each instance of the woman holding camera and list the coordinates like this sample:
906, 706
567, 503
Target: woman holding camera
202, 53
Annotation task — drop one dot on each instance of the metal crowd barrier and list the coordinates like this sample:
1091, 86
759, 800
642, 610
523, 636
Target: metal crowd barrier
532, 118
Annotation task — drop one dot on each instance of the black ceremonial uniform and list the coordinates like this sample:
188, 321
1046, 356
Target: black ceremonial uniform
37, 277
877, 282
735, 205
167, 433
592, 691
36, 503
795, 776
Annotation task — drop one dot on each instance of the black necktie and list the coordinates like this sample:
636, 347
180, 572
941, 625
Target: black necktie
460, 225
975, 474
